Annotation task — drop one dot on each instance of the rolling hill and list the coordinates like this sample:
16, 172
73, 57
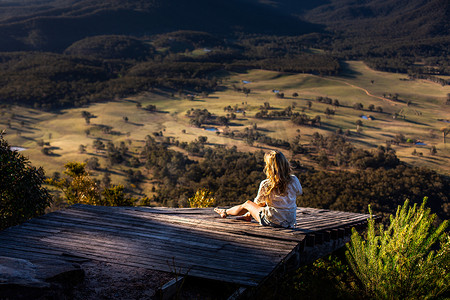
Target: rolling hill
55, 25
351, 29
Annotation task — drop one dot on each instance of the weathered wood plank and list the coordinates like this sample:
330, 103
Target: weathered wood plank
152, 262
200, 240
230, 225
197, 241
231, 229
76, 242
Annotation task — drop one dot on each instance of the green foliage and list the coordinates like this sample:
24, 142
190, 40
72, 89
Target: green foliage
233, 176
81, 188
115, 196
403, 260
383, 189
202, 198
327, 278
111, 47
21, 193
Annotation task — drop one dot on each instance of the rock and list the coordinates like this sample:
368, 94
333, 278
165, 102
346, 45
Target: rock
23, 279
19, 272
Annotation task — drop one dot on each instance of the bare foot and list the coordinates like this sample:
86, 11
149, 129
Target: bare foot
221, 211
247, 218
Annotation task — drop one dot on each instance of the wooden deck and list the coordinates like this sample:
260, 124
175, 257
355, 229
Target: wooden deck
195, 242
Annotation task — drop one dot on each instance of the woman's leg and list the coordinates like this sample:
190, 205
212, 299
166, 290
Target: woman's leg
239, 210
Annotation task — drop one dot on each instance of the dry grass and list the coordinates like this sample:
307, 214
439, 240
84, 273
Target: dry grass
65, 131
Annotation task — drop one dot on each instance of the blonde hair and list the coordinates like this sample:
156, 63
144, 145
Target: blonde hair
278, 171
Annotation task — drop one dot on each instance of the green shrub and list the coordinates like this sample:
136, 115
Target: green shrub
115, 196
403, 261
21, 193
79, 187
202, 198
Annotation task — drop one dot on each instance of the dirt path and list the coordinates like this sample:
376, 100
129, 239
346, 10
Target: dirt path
394, 103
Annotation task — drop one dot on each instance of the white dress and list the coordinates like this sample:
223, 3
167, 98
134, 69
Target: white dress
283, 208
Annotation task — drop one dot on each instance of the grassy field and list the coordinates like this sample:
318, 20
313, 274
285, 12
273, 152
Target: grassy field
65, 131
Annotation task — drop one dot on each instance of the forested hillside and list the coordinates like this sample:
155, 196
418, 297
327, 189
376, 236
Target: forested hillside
391, 35
116, 48
58, 24
107, 67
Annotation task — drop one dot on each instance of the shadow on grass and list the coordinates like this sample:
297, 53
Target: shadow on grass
328, 127
348, 72
25, 117
135, 124
263, 129
415, 122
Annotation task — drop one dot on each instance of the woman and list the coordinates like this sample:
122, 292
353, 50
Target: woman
275, 205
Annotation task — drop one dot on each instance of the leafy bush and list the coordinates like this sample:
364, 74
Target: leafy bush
21, 193
81, 188
326, 278
403, 261
202, 198
115, 196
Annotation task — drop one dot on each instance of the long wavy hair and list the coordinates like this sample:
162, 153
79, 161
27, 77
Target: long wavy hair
278, 171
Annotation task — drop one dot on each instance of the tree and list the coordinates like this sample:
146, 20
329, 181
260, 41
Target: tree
22, 195
336, 103
87, 116
79, 187
279, 95
445, 131
115, 196
82, 148
433, 150
92, 163
202, 139
358, 106
395, 97
329, 112
371, 107
403, 261
358, 123
295, 94
46, 151
151, 108
98, 144
222, 120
